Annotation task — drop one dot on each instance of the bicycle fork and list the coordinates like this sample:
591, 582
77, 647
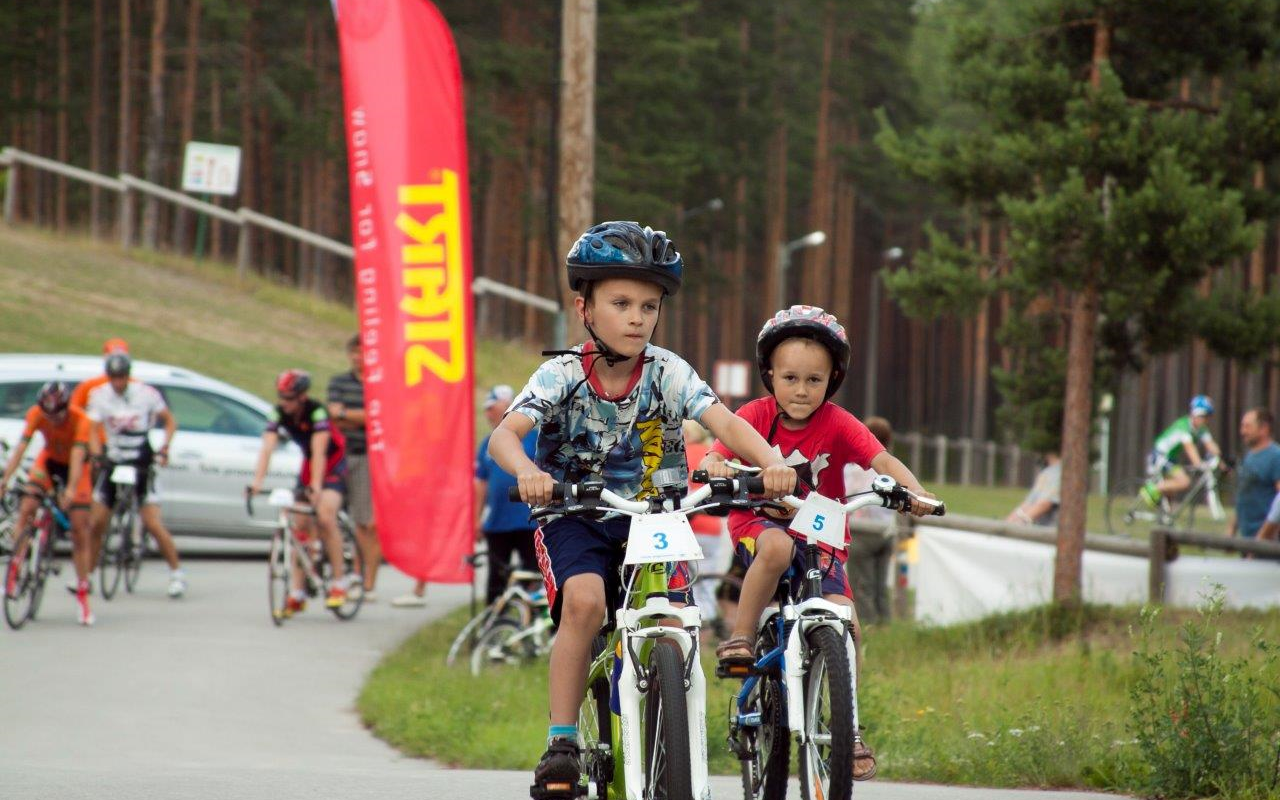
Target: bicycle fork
631, 727
839, 619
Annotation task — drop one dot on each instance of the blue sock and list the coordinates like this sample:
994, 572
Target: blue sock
562, 732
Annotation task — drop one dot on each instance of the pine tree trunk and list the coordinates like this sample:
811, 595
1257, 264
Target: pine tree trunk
64, 101
575, 198
95, 119
215, 129
981, 343
815, 262
190, 81
126, 83
155, 122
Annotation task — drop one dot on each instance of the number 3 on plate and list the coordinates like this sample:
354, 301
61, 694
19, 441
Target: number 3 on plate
659, 541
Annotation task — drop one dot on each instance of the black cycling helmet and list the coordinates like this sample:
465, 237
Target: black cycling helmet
53, 397
804, 322
118, 365
625, 250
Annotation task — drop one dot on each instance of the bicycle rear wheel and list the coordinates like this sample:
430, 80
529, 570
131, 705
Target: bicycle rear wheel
595, 726
279, 566
20, 585
765, 774
668, 774
352, 572
826, 757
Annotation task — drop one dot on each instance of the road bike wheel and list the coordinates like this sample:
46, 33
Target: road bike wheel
1128, 513
495, 649
352, 571
595, 726
826, 757
278, 577
18, 605
765, 775
135, 548
668, 774
111, 560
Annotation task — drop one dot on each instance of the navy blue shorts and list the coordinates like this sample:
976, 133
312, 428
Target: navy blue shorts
572, 546
834, 578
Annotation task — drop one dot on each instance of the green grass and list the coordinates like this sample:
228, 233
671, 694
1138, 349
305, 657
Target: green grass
1036, 698
68, 293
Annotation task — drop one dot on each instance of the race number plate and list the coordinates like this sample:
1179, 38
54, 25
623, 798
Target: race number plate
126, 474
662, 537
280, 498
820, 519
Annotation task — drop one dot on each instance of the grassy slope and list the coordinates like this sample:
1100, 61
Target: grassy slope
67, 294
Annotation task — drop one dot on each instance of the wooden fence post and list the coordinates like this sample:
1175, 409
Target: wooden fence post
128, 200
11, 193
1158, 570
242, 250
966, 461
940, 459
1011, 454
991, 463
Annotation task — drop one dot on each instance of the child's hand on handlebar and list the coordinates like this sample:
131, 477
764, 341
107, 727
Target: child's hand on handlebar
779, 480
919, 509
536, 487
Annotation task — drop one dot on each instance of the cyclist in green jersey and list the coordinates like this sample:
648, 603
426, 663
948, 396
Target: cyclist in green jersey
1165, 475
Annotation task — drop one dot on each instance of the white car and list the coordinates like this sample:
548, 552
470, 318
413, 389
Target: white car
211, 458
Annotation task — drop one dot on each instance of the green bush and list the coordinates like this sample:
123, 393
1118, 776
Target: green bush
1205, 724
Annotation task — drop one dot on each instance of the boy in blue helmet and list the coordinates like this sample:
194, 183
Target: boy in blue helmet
610, 408
1165, 475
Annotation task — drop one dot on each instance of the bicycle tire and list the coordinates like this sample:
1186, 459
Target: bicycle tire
279, 569
47, 564
595, 725
17, 608
352, 567
765, 776
466, 637
827, 676
668, 773
111, 560
492, 650
135, 547
1122, 506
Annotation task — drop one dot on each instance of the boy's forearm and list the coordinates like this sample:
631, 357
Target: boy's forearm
888, 464
508, 451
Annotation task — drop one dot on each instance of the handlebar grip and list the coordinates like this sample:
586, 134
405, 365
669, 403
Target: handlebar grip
557, 493
940, 511
753, 485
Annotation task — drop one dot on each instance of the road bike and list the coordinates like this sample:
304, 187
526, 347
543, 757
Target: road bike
33, 560
803, 687
643, 716
292, 551
1129, 513
125, 545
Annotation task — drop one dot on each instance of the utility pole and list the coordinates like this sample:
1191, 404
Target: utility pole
575, 186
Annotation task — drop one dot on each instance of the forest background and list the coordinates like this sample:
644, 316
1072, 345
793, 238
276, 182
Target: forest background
769, 108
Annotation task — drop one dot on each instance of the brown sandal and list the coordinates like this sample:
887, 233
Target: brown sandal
861, 755
737, 650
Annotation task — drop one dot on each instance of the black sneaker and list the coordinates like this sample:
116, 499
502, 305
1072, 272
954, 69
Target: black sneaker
559, 773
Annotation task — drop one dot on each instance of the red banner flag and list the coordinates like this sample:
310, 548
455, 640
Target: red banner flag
411, 229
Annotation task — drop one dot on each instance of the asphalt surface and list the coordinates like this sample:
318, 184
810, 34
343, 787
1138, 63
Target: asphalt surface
204, 698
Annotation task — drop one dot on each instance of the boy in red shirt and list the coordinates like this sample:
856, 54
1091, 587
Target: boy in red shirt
802, 354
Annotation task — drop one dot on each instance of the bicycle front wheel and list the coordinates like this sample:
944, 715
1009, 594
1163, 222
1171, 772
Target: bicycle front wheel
668, 774
279, 565
42, 568
135, 547
595, 726
19, 586
353, 573
1129, 513
826, 757
495, 647
111, 560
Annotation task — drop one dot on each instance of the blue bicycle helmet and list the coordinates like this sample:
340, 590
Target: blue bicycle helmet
625, 250
1201, 406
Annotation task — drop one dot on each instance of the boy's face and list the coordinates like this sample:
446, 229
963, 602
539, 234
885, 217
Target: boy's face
623, 313
801, 370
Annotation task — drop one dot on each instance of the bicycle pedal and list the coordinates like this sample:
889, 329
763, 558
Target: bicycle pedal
736, 671
557, 791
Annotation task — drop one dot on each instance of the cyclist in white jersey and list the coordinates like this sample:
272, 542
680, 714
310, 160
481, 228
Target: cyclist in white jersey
125, 411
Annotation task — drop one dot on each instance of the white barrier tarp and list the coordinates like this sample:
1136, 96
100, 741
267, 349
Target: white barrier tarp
964, 576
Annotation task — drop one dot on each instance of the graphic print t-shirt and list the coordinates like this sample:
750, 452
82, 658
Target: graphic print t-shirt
127, 418
623, 441
818, 452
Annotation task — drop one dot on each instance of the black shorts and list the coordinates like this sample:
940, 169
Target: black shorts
104, 491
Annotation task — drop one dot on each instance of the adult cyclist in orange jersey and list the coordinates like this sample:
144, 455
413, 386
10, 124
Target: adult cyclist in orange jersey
66, 441
80, 395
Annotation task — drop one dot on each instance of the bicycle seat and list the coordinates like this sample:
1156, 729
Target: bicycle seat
523, 575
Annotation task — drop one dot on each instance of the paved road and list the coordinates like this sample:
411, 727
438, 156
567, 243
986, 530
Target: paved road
204, 698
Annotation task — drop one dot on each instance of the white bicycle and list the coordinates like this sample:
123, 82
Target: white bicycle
646, 692
803, 686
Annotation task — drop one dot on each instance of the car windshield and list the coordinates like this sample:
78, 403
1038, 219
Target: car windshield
201, 411
17, 396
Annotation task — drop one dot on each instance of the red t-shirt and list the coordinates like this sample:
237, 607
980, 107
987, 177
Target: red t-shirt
832, 438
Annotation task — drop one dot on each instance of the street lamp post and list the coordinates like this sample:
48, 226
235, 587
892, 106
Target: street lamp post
873, 335
812, 239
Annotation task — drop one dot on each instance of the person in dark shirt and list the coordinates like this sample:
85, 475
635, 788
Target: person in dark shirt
346, 409
321, 481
